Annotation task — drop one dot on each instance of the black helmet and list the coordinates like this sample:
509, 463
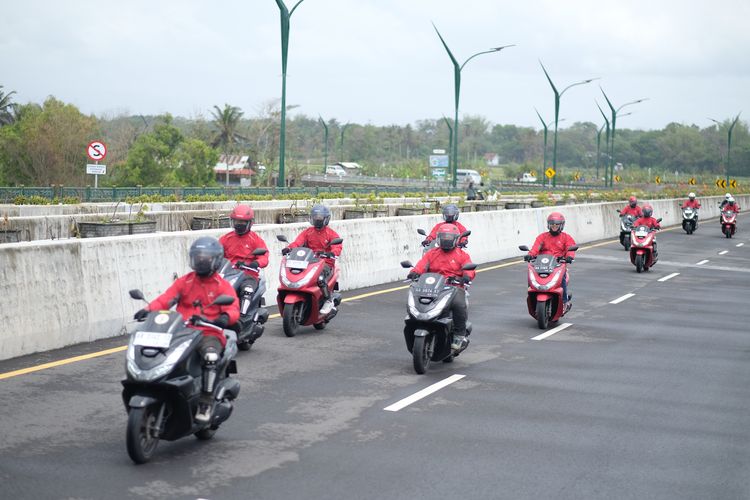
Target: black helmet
320, 216
647, 210
206, 254
450, 213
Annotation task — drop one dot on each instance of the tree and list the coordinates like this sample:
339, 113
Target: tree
7, 108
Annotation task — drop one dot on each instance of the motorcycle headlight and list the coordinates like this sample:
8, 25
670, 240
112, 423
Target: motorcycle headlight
432, 313
157, 371
296, 284
544, 288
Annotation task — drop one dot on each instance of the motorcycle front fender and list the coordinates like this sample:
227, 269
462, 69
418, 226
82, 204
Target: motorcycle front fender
543, 297
421, 333
291, 298
139, 401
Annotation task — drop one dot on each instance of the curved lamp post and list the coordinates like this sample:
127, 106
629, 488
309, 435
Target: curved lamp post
286, 14
614, 121
457, 88
546, 126
341, 150
558, 96
325, 144
729, 141
606, 144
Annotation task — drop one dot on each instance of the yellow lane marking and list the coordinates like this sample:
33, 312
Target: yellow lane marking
84, 357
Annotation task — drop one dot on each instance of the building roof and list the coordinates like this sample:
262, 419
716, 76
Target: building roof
349, 164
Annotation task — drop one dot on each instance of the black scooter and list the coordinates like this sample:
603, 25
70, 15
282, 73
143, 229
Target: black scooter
163, 381
626, 226
253, 313
428, 328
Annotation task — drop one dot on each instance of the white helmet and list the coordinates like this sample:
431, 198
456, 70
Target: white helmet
730, 199
691, 196
727, 196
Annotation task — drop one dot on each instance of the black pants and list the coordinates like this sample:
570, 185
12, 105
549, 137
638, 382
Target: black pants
460, 314
325, 274
246, 281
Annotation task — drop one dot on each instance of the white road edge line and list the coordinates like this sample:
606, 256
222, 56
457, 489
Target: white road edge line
423, 393
723, 252
701, 262
622, 299
739, 244
552, 332
668, 277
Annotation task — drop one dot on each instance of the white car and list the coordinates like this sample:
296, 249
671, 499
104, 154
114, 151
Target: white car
335, 170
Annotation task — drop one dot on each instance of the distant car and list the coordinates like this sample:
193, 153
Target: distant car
463, 176
335, 170
527, 177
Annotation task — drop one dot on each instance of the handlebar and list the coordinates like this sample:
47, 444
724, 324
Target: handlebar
206, 323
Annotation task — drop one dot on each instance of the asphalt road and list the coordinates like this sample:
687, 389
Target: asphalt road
648, 397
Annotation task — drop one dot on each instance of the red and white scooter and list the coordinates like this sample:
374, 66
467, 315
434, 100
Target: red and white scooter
299, 295
728, 222
642, 247
545, 297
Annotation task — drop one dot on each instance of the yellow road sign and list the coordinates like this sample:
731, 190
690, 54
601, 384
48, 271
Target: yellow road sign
692, 181
618, 178
721, 183
733, 183
549, 173
533, 173
577, 176
657, 179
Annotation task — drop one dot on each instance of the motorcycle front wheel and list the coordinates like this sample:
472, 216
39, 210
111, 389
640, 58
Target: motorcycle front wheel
292, 318
639, 263
422, 353
142, 434
627, 243
542, 314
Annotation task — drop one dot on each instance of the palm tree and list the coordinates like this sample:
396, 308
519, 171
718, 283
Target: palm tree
226, 121
7, 108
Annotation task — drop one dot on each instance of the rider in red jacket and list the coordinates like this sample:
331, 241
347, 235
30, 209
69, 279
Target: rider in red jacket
555, 242
318, 238
447, 259
202, 286
647, 220
631, 208
450, 216
691, 202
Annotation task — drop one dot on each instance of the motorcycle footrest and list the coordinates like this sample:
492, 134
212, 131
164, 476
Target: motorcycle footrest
262, 315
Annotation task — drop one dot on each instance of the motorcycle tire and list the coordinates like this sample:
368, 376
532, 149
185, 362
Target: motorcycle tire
627, 243
449, 359
140, 439
728, 232
422, 353
292, 318
319, 326
542, 314
639, 263
244, 345
206, 433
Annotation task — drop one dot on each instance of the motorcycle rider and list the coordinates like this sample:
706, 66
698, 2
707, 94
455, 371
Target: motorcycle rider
648, 220
724, 201
239, 245
447, 259
203, 285
318, 239
631, 208
556, 242
691, 202
450, 216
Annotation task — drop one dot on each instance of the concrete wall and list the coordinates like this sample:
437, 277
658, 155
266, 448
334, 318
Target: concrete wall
57, 293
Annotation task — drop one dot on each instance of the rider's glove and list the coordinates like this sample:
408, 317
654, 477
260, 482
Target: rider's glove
425, 242
466, 279
254, 264
412, 275
568, 259
527, 258
222, 320
140, 315
195, 318
239, 264
285, 251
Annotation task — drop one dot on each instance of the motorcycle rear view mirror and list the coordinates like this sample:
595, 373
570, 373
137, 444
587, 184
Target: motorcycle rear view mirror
465, 234
136, 294
281, 237
573, 248
658, 220
618, 210
469, 267
260, 251
224, 300
337, 241
406, 264
524, 248
422, 232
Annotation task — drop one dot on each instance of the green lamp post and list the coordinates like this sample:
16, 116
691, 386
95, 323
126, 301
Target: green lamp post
606, 145
286, 14
325, 143
341, 145
614, 121
457, 90
729, 141
546, 126
558, 96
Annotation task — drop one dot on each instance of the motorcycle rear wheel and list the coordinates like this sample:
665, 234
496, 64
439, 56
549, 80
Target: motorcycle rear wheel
142, 438
292, 318
542, 314
244, 345
639, 263
422, 353
206, 433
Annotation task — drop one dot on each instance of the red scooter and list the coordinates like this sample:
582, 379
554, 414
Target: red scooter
642, 242
545, 298
299, 295
728, 222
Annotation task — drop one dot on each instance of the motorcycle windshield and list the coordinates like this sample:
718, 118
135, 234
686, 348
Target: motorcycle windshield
642, 231
300, 258
545, 264
429, 285
627, 221
728, 213
688, 212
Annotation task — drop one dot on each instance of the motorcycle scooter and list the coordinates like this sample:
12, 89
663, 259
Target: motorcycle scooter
626, 225
163, 384
728, 222
642, 251
689, 219
299, 295
253, 314
545, 293
428, 328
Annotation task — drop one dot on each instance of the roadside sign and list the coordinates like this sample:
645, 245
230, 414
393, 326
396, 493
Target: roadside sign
692, 181
438, 151
577, 176
550, 173
618, 178
96, 169
657, 179
96, 150
438, 161
733, 183
533, 173
721, 183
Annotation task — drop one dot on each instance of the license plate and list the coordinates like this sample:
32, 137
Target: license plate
152, 339
297, 264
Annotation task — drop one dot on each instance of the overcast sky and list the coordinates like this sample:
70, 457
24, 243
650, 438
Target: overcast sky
380, 61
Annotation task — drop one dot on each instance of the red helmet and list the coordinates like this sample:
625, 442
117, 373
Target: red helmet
647, 210
633, 201
555, 218
448, 236
242, 218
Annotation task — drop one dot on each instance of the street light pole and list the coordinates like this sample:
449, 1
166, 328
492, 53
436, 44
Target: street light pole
558, 96
614, 121
606, 144
546, 126
325, 144
286, 14
457, 90
341, 149
729, 141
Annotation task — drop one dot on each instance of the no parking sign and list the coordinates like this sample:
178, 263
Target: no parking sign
96, 150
